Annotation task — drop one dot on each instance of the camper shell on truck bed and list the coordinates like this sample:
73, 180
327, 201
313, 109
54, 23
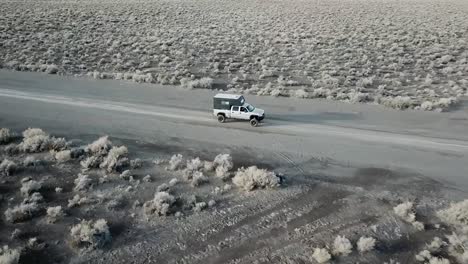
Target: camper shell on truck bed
226, 101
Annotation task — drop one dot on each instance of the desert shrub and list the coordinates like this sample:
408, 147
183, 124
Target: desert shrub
31, 161
99, 147
5, 135
436, 244
163, 188
198, 178
253, 177
36, 140
29, 208
204, 83
7, 167
91, 162
458, 247
321, 255
173, 182
160, 205
208, 166
200, 206
342, 246
365, 244
223, 163
29, 187
78, 200
423, 255
90, 234
126, 175
147, 178
9, 256
456, 215
82, 183
406, 212
136, 163
54, 213
398, 102
175, 162
63, 156
194, 164
112, 159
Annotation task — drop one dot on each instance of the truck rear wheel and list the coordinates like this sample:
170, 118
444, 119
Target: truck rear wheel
254, 122
221, 118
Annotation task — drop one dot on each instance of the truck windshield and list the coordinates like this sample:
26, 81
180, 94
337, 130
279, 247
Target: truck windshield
250, 108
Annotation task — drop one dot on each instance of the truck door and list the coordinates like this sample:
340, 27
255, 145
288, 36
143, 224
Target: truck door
235, 112
244, 113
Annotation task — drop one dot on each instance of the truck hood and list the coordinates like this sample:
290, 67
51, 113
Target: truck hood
259, 111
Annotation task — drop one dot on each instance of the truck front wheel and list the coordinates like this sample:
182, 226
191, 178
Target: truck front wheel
221, 118
254, 122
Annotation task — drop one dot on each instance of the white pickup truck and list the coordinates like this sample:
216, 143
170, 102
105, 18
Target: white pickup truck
234, 106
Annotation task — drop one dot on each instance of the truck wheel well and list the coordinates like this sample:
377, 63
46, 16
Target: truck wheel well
222, 114
252, 117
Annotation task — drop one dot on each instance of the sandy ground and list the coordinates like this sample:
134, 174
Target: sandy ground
345, 167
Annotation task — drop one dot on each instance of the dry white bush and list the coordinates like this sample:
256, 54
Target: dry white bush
113, 157
211, 203
208, 166
31, 161
194, 164
30, 186
99, 147
91, 162
163, 188
321, 255
406, 212
29, 208
423, 255
90, 234
36, 140
78, 200
136, 163
205, 83
438, 260
198, 179
160, 205
7, 167
253, 177
366, 244
223, 164
342, 246
126, 175
82, 183
456, 215
147, 178
173, 182
200, 206
458, 246
9, 255
175, 162
5, 135
63, 156
54, 213
436, 244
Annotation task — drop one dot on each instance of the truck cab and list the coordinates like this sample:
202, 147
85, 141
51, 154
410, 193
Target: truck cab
232, 106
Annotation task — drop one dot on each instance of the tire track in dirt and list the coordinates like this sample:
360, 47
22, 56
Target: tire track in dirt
275, 232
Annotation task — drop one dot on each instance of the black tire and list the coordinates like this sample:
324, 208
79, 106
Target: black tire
221, 118
254, 122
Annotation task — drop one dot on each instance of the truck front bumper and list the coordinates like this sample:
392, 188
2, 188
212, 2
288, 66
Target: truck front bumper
260, 118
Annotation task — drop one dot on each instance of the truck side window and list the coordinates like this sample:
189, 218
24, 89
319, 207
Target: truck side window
243, 109
235, 108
